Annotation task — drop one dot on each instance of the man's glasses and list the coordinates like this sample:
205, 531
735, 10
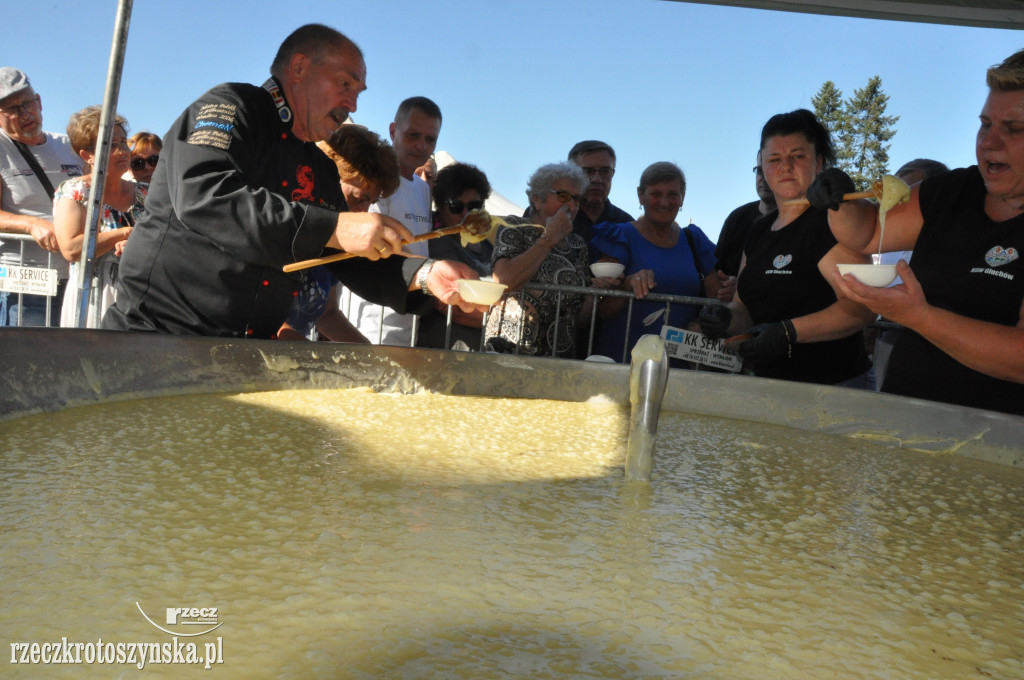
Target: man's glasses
459, 206
565, 196
20, 109
605, 172
139, 163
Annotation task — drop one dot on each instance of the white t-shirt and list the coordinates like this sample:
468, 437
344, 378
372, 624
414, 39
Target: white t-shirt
24, 195
410, 205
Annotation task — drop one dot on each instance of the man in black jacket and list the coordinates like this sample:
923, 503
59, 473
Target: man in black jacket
241, 190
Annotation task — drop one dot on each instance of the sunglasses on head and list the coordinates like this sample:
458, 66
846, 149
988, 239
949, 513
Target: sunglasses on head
458, 206
140, 163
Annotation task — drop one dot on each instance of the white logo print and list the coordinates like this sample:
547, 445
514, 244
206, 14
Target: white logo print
187, 616
781, 261
999, 256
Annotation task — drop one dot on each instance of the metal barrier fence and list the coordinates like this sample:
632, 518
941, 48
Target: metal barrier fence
19, 298
562, 290
668, 300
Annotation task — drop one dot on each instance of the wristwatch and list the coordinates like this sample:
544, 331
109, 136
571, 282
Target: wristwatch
423, 273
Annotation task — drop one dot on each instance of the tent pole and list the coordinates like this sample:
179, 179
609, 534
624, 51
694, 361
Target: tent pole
99, 171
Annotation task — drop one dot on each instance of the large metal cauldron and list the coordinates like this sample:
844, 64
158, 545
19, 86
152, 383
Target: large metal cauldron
48, 369
756, 551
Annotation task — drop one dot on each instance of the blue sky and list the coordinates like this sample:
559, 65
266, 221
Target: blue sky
520, 82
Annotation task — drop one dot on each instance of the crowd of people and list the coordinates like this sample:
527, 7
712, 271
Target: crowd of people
196, 227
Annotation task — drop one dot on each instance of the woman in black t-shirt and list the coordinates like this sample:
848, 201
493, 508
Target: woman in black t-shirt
797, 325
962, 305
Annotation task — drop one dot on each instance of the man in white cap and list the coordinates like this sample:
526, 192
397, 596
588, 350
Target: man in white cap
32, 164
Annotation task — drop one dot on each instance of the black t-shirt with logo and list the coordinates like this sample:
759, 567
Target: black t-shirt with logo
781, 280
972, 266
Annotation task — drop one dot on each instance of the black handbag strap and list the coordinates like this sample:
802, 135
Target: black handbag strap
36, 168
693, 252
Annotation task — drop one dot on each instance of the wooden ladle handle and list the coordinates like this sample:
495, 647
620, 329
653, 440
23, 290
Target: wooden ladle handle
846, 197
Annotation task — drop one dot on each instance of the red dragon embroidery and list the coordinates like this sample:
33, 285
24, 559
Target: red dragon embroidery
304, 178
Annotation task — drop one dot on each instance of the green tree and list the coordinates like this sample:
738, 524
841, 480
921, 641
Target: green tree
870, 132
830, 110
860, 129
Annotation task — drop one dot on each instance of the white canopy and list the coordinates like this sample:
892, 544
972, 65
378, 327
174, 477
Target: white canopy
496, 204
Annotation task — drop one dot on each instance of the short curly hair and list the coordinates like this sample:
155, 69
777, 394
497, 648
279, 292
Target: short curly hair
545, 177
362, 155
84, 128
456, 178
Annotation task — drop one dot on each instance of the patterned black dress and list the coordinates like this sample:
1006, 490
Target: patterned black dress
534, 322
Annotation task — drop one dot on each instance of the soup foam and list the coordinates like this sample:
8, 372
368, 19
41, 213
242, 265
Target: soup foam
343, 533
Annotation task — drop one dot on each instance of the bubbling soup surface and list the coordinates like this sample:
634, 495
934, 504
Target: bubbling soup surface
349, 534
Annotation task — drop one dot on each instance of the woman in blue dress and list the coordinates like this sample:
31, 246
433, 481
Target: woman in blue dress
658, 254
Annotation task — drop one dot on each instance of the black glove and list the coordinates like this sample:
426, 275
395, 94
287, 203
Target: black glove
714, 321
827, 189
771, 341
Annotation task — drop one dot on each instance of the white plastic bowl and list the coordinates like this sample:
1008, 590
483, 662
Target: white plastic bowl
481, 292
607, 270
877, 275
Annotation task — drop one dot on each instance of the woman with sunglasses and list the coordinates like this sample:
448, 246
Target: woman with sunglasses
537, 321
458, 188
123, 203
145, 148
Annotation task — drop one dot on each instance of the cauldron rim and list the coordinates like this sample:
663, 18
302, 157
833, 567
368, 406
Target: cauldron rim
51, 369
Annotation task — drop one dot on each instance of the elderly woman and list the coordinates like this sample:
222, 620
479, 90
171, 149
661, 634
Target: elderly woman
548, 252
122, 204
368, 170
800, 325
458, 188
961, 303
658, 254
145, 148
